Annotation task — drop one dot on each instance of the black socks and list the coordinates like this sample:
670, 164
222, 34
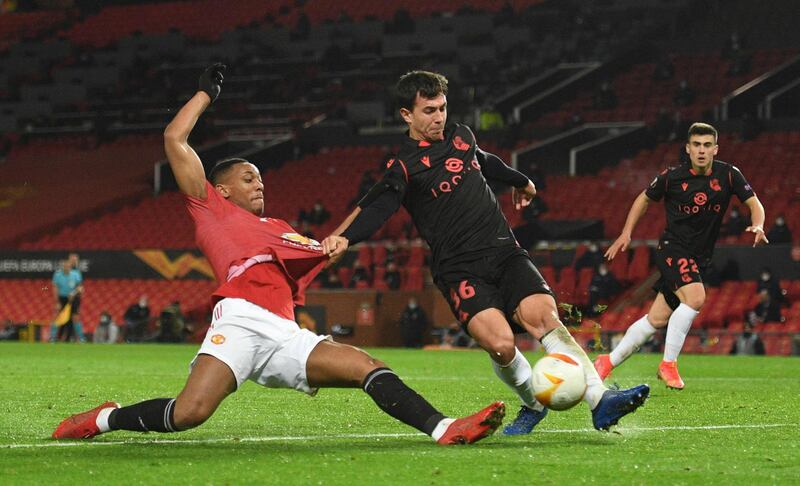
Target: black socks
400, 401
151, 415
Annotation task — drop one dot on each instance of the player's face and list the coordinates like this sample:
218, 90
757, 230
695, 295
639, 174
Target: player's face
243, 187
426, 121
701, 150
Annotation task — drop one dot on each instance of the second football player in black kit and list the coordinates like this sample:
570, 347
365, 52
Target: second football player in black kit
696, 197
491, 284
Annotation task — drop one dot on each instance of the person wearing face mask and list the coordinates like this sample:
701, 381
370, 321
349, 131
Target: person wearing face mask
780, 232
766, 282
413, 322
136, 318
603, 286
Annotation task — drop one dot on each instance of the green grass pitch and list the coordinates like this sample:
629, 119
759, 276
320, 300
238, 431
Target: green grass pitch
737, 422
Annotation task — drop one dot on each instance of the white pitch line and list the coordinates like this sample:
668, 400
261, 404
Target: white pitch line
369, 436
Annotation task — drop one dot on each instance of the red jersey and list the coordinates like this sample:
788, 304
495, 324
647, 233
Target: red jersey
261, 260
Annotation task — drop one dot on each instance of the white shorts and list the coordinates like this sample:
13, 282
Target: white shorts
259, 345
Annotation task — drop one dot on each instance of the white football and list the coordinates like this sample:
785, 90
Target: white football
558, 381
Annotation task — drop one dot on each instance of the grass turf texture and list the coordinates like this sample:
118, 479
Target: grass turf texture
737, 422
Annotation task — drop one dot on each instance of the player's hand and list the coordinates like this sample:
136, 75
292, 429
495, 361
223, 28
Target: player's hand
760, 236
335, 246
522, 197
211, 80
621, 244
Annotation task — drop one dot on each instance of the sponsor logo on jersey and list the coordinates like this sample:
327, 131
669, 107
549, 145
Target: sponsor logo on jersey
700, 198
684, 186
715, 185
460, 144
454, 165
301, 240
426, 161
217, 339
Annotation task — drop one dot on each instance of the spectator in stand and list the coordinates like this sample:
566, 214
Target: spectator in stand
392, 276
780, 232
360, 274
591, 258
305, 230
767, 309
605, 98
771, 285
603, 286
413, 323
172, 327
367, 181
736, 224
107, 331
318, 214
664, 69
748, 343
491, 118
136, 318
331, 281
684, 96
740, 64
733, 46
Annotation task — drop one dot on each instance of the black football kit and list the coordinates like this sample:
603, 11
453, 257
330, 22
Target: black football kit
476, 261
695, 205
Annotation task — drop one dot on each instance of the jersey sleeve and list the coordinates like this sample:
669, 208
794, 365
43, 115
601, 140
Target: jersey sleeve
495, 169
212, 205
740, 185
658, 188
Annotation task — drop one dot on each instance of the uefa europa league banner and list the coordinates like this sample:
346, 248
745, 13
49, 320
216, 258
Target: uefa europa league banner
155, 264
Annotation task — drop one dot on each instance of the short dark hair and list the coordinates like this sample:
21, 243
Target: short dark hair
699, 128
427, 84
222, 167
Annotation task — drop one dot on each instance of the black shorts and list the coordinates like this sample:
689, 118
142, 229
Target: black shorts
497, 281
76, 304
678, 267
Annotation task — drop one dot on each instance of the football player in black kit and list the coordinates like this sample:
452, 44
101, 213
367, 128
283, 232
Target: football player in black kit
696, 196
491, 284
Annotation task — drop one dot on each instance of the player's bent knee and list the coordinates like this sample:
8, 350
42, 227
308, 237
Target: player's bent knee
502, 347
538, 312
192, 413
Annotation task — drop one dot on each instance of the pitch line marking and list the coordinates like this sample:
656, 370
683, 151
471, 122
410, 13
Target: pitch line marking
368, 436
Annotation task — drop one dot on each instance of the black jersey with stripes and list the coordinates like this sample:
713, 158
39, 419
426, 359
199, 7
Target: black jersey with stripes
443, 188
696, 203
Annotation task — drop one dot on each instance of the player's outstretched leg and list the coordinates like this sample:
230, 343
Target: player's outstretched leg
333, 364
526, 420
209, 383
83, 425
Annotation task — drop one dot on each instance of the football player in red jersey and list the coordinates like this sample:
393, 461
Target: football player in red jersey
696, 196
263, 266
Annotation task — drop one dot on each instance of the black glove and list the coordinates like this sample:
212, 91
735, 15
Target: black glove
211, 80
